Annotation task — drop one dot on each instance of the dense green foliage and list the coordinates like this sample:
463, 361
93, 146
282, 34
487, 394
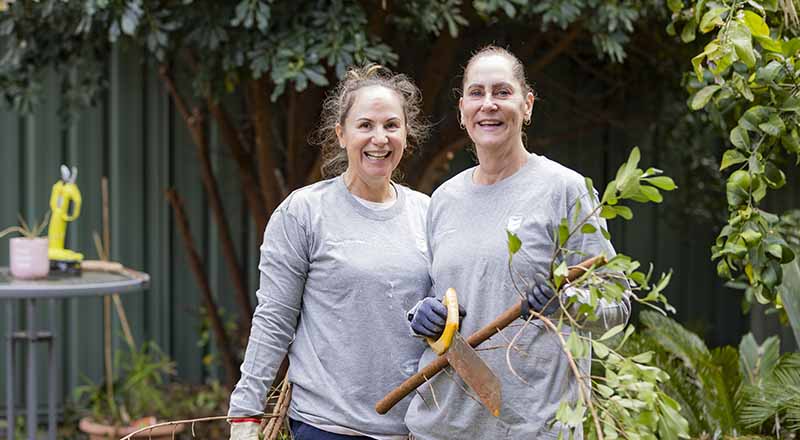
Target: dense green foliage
746, 79
752, 390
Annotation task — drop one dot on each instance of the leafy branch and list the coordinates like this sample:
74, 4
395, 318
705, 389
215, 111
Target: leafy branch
627, 400
746, 80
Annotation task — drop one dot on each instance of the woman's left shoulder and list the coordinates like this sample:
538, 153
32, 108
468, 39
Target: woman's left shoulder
558, 172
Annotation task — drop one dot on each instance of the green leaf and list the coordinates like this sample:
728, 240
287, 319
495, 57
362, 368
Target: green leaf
701, 98
514, 243
624, 212
643, 358
774, 176
605, 233
731, 157
758, 27
608, 212
791, 104
791, 47
755, 115
769, 72
774, 126
675, 5
600, 350
661, 182
697, 60
316, 77
590, 189
742, 42
563, 232
588, 229
769, 44
711, 19
612, 331
751, 237
652, 194
689, 31
739, 138
791, 142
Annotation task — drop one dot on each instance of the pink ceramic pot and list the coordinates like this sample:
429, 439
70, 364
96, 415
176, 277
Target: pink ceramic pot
28, 257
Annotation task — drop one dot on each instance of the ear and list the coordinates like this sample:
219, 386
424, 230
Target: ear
461, 110
529, 99
339, 132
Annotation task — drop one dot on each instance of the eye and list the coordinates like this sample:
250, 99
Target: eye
392, 125
504, 93
475, 92
364, 124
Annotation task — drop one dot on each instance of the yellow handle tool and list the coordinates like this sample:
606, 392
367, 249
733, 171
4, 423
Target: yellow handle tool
450, 301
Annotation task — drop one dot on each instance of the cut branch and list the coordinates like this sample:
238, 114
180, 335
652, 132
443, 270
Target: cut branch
196, 265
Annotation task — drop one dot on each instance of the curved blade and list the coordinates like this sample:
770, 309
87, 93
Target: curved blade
475, 373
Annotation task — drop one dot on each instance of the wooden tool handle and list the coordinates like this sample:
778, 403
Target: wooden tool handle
501, 322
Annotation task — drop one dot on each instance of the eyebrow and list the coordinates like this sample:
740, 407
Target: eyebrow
370, 120
494, 86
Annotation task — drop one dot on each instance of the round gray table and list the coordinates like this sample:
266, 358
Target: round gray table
50, 288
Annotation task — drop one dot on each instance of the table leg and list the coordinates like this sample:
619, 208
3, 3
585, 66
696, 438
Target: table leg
30, 305
10, 417
52, 382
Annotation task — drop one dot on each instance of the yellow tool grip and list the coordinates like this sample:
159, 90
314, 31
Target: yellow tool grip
450, 301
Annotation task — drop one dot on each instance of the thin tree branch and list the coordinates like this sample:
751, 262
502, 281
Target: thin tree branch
261, 114
196, 265
195, 123
230, 136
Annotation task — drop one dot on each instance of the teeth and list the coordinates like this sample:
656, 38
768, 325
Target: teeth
372, 155
488, 123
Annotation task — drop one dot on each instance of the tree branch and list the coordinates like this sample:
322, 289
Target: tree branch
261, 114
195, 124
230, 136
196, 265
437, 70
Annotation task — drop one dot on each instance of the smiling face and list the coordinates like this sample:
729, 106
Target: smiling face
494, 105
374, 134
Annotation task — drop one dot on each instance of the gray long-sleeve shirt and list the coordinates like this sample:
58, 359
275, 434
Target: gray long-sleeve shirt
467, 226
336, 280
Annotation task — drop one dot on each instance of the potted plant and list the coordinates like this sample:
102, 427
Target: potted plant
131, 400
28, 254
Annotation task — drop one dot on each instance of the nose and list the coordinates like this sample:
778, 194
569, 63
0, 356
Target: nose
488, 103
379, 138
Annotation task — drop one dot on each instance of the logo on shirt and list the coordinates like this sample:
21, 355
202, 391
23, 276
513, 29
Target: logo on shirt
514, 223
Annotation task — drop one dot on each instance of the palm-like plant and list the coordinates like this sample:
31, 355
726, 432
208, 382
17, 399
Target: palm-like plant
725, 391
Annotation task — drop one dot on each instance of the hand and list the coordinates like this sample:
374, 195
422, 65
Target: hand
431, 316
539, 298
244, 430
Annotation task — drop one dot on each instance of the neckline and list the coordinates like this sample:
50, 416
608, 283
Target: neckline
380, 215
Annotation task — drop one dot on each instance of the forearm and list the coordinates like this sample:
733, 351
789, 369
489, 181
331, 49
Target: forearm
272, 332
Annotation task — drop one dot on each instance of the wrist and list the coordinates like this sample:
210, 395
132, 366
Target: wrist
245, 420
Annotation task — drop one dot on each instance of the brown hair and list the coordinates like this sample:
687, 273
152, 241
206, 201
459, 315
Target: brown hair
338, 103
517, 68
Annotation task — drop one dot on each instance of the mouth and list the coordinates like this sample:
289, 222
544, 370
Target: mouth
377, 155
490, 124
